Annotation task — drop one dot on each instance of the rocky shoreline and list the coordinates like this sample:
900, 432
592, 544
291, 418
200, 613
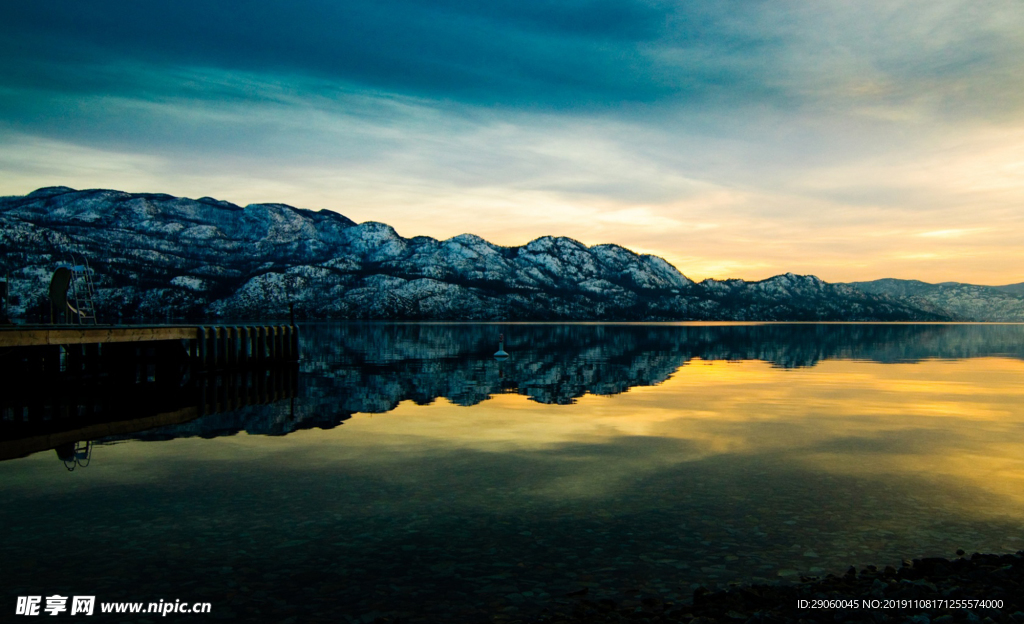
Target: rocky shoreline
922, 591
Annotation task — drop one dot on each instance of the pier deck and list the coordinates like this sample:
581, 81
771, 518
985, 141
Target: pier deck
208, 346
36, 335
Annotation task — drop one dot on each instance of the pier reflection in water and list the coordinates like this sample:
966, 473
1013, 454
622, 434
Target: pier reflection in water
63, 412
629, 460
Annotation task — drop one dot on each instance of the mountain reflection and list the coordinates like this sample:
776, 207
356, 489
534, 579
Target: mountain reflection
385, 364
371, 368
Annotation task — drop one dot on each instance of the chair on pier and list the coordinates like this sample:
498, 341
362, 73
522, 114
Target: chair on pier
83, 291
74, 279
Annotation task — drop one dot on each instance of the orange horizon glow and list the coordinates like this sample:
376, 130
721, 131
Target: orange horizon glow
968, 232
957, 417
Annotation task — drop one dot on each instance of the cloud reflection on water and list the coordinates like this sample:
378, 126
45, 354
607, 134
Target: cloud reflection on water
731, 469
948, 422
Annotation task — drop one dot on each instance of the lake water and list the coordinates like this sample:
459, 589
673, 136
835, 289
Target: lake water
410, 473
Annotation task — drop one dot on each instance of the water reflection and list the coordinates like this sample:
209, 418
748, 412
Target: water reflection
621, 459
372, 368
65, 413
74, 454
381, 365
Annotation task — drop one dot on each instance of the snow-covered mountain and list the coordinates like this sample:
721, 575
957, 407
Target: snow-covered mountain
962, 302
158, 257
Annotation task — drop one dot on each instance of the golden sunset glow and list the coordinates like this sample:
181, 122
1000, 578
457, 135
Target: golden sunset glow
849, 141
950, 424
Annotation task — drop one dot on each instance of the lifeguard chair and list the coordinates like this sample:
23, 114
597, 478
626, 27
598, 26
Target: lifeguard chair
73, 282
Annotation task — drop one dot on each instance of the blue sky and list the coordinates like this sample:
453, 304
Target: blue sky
851, 140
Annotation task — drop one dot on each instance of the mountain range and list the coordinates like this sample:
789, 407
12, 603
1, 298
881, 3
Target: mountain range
159, 257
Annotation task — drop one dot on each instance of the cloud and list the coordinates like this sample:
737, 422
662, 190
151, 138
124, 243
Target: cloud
817, 138
591, 55
560, 54
954, 233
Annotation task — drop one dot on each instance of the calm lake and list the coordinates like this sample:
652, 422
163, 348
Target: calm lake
408, 472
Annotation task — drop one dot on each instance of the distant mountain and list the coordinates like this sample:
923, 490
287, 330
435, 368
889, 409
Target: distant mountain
961, 302
1015, 289
159, 257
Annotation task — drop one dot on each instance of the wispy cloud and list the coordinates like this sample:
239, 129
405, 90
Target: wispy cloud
850, 140
954, 233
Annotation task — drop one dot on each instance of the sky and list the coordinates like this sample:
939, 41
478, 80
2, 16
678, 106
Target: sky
851, 140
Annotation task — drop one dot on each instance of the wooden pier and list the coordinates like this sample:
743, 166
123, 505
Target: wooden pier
208, 347
70, 383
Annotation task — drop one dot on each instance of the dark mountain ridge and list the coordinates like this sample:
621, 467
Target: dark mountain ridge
961, 302
162, 257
